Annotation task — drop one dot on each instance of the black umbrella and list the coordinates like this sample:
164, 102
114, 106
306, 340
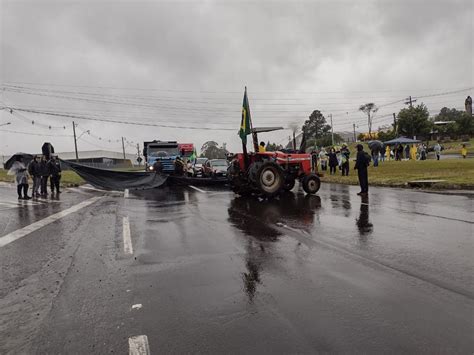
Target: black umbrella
375, 144
26, 159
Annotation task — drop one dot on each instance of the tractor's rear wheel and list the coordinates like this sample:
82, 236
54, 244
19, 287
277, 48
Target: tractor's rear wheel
311, 184
270, 179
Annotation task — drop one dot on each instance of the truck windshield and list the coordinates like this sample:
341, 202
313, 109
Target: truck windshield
220, 162
162, 151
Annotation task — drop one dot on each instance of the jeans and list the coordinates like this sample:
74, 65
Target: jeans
345, 168
21, 187
54, 179
44, 185
375, 158
363, 180
36, 184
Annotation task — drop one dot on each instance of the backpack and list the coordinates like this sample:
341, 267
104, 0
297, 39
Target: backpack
368, 158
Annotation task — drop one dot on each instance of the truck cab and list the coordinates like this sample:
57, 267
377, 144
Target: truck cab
164, 151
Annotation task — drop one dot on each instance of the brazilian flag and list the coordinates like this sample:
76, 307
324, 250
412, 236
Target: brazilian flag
193, 156
245, 122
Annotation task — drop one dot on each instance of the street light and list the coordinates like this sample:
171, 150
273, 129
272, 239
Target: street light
5, 124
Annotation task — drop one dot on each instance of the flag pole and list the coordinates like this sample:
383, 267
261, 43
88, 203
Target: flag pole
244, 145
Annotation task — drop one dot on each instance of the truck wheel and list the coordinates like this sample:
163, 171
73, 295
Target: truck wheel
289, 184
311, 184
270, 179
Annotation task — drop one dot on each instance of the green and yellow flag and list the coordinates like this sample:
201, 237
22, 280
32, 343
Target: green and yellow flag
245, 122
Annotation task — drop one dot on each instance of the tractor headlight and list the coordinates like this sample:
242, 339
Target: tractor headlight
150, 168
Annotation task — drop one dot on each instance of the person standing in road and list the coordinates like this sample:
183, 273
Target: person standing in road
437, 148
43, 170
34, 171
362, 162
345, 155
54, 168
332, 161
21, 177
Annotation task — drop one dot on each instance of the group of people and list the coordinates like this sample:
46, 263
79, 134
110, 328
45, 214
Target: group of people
40, 169
334, 159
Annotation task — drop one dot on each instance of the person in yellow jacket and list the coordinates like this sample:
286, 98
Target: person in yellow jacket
387, 152
464, 151
413, 152
261, 147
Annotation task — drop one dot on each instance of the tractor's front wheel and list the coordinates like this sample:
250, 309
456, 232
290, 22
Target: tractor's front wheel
311, 184
289, 183
270, 179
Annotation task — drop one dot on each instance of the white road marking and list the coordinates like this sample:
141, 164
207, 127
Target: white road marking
137, 306
20, 233
88, 187
198, 189
138, 345
125, 193
127, 240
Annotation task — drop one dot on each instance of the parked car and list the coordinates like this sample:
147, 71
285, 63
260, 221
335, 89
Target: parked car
198, 166
216, 168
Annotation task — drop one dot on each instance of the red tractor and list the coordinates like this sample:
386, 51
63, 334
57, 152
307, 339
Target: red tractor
270, 173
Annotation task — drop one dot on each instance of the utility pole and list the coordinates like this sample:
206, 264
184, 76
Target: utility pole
409, 101
139, 158
75, 140
332, 129
354, 128
394, 123
123, 148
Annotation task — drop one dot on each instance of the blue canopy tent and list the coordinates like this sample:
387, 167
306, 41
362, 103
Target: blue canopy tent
402, 140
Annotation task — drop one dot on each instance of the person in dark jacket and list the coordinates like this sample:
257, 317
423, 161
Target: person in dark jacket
400, 152
362, 162
54, 168
333, 163
374, 152
34, 171
345, 155
44, 172
407, 151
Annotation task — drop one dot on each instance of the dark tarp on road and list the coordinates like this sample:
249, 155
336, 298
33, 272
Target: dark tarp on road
117, 180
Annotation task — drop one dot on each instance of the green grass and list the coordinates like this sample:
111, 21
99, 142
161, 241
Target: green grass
458, 173
68, 178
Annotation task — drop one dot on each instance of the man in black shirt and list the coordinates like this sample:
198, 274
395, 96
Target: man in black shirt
362, 162
54, 168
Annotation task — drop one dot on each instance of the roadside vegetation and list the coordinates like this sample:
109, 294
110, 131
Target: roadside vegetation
457, 173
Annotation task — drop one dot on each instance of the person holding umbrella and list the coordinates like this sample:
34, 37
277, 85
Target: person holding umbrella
21, 177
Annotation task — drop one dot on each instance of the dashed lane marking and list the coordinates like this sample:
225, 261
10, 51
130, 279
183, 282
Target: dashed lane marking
127, 240
138, 345
198, 189
125, 193
20, 233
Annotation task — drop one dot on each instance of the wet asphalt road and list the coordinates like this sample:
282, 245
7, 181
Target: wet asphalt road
217, 273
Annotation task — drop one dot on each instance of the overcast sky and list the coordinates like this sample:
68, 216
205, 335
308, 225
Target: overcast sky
186, 63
